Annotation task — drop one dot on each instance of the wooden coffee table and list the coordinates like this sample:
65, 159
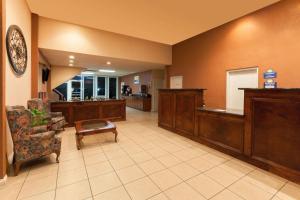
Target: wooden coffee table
91, 127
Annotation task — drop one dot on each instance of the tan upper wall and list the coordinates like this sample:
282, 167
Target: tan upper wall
268, 38
61, 74
73, 38
18, 88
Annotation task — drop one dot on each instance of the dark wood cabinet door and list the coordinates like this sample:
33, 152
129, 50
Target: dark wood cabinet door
222, 130
165, 109
276, 132
185, 113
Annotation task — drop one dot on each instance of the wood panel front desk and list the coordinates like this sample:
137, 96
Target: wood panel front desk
266, 135
110, 109
177, 108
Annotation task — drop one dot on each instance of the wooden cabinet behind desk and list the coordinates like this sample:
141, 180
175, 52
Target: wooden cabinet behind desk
113, 110
176, 109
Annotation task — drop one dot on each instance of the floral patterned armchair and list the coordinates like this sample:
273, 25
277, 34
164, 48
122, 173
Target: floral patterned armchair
30, 142
56, 119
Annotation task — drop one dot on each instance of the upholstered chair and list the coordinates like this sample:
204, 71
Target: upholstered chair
56, 119
30, 142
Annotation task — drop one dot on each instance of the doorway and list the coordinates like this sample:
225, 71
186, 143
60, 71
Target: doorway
243, 78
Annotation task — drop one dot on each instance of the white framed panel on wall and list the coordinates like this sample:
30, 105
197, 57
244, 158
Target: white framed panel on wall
240, 78
176, 82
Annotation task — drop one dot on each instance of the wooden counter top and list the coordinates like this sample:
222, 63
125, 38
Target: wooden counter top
224, 111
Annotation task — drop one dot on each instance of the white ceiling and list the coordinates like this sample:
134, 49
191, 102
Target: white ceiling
92, 62
164, 21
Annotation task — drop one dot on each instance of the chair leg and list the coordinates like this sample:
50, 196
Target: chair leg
57, 156
17, 166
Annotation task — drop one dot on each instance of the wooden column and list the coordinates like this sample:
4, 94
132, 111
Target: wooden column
34, 55
3, 159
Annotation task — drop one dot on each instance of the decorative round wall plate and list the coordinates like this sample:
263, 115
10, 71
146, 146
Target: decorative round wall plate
16, 49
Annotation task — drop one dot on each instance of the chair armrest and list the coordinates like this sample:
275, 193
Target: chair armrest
39, 129
42, 136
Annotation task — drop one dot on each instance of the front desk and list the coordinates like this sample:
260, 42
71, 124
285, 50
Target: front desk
267, 134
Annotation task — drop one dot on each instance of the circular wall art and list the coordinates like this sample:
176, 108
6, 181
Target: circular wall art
16, 49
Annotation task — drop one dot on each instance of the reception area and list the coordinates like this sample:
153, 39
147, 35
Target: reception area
138, 100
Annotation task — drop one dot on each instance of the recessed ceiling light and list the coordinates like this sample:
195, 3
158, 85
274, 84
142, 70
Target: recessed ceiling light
72, 57
107, 70
70, 64
108, 62
71, 61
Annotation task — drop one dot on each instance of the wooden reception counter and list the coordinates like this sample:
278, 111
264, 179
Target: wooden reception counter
177, 108
108, 109
267, 134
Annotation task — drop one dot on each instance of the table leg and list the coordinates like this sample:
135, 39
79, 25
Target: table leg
78, 141
116, 135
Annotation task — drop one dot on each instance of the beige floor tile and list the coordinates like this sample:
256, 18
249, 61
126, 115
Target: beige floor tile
213, 158
148, 146
142, 189
114, 194
169, 160
157, 152
184, 171
165, 179
237, 168
37, 186
267, 181
200, 164
71, 164
226, 195
44, 196
115, 154
160, 196
221, 176
290, 191
121, 162
205, 185
71, 176
91, 151
151, 166
11, 191
249, 191
141, 157
104, 183
44, 170
99, 168
188, 154
94, 158
183, 191
130, 174
77, 191
71, 155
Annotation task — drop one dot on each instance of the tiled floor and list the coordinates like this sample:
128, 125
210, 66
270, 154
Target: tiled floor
147, 163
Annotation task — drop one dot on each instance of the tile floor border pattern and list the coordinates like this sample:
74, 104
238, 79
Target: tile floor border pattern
207, 151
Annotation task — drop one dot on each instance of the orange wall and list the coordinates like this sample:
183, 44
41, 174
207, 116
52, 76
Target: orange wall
268, 38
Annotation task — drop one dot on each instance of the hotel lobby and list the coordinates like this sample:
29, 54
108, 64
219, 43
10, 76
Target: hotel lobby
149, 100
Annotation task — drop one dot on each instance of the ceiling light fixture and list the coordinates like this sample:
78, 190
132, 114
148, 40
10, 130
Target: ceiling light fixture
87, 73
72, 57
107, 70
71, 61
70, 64
108, 62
